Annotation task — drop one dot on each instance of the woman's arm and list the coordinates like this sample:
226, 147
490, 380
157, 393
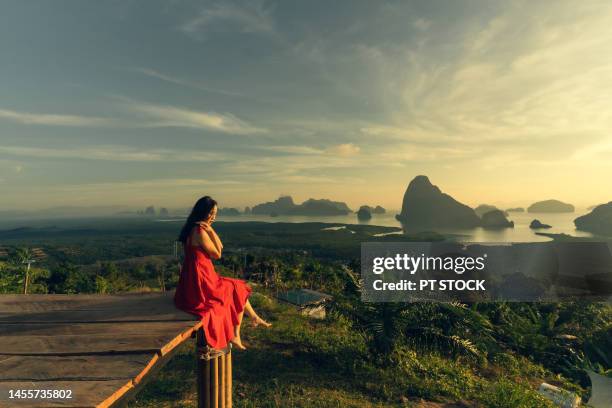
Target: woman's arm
212, 234
216, 238
207, 243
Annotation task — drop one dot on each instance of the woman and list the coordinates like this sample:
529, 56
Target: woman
219, 301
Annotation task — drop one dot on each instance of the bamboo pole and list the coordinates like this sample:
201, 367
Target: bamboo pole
203, 374
215, 383
228, 380
222, 380
207, 385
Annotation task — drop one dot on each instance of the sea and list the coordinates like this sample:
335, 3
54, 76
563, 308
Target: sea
561, 223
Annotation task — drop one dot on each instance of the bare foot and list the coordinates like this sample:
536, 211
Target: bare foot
236, 341
259, 321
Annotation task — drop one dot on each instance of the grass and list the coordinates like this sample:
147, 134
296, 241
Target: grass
305, 363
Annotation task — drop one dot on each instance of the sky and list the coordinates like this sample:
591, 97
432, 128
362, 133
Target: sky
133, 103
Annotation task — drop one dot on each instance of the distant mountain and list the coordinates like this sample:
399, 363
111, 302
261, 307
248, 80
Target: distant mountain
228, 212
550, 206
536, 224
496, 219
425, 206
66, 212
282, 205
364, 213
374, 210
482, 209
598, 221
379, 210
515, 209
323, 207
311, 207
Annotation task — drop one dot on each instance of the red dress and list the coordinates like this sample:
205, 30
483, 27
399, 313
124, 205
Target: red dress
215, 299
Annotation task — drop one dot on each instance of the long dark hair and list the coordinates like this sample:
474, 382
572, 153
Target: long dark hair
201, 211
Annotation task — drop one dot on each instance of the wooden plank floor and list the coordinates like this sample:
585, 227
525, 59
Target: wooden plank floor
101, 348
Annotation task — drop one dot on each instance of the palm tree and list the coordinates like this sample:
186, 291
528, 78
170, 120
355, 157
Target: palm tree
25, 256
445, 327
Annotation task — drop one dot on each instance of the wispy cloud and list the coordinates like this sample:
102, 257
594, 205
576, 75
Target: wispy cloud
183, 82
171, 116
249, 17
341, 150
156, 116
29, 118
600, 151
300, 150
421, 24
110, 153
157, 183
344, 150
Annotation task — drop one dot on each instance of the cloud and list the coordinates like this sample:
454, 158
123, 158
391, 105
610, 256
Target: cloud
513, 82
301, 150
305, 179
152, 183
341, 150
419, 153
344, 150
600, 151
250, 17
164, 116
421, 24
170, 116
410, 133
189, 84
109, 153
28, 118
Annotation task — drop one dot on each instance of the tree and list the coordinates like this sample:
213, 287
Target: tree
10, 278
24, 256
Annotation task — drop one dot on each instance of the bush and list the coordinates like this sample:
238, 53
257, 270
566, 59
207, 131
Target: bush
507, 394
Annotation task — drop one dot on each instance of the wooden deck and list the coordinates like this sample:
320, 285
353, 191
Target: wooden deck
102, 348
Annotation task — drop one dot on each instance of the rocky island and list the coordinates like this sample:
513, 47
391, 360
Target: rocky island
482, 209
228, 212
515, 209
598, 221
424, 207
373, 210
550, 206
364, 213
312, 207
536, 224
496, 219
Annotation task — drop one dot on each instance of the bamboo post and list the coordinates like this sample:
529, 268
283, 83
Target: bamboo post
214, 375
222, 381
207, 385
228, 379
203, 371
215, 383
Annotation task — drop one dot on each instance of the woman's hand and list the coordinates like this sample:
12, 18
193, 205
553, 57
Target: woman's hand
205, 226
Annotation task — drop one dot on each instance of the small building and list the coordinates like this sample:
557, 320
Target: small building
310, 302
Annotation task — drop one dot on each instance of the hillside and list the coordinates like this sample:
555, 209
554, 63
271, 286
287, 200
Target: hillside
301, 362
311, 207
